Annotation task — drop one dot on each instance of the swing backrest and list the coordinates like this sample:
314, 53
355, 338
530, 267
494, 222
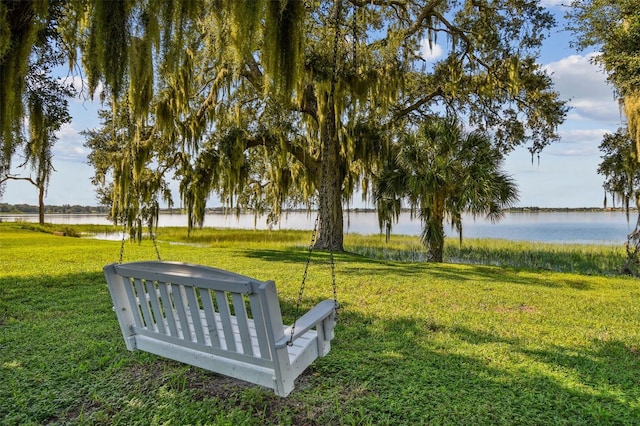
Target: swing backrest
198, 306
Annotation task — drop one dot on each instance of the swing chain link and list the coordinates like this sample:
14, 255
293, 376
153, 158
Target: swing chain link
124, 232
155, 243
333, 281
304, 280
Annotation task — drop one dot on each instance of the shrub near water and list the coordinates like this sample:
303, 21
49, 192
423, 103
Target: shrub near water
416, 343
577, 258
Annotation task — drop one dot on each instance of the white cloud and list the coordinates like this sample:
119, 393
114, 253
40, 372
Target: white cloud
583, 136
70, 145
578, 143
584, 84
430, 53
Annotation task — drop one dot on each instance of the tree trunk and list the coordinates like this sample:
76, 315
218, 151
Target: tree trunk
41, 204
436, 244
437, 248
330, 226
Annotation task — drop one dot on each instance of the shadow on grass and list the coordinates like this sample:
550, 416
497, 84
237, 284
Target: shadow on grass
230, 235
63, 360
403, 368
350, 264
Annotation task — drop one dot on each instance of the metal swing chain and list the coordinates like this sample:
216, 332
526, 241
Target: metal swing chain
322, 191
333, 280
124, 233
155, 243
304, 281
334, 78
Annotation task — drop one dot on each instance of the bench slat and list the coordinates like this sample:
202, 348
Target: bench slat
133, 303
179, 301
168, 308
144, 305
194, 310
243, 326
203, 348
210, 317
229, 341
222, 284
260, 326
152, 295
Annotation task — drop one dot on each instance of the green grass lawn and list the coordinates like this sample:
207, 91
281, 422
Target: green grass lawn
416, 343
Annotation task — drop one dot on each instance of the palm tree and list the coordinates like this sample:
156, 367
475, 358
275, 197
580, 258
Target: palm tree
443, 172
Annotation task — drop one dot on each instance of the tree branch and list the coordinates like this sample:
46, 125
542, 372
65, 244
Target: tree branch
12, 177
418, 104
309, 103
310, 163
428, 10
252, 72
208, 102
364, 3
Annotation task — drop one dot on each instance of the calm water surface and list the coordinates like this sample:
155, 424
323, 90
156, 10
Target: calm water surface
557, 227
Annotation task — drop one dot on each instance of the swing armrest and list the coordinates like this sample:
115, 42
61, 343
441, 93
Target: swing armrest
308, 321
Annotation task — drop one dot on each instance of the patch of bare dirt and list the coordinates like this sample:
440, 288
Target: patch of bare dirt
204, 385
525, 309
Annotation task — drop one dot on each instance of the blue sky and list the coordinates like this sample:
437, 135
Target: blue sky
565, 176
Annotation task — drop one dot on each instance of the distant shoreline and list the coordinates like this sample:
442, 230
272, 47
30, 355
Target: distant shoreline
8, 209
535, 209
566, 209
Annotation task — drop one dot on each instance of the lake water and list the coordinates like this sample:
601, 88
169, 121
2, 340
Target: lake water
558, 227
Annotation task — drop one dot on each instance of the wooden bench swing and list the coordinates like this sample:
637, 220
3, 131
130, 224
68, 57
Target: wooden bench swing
218, 320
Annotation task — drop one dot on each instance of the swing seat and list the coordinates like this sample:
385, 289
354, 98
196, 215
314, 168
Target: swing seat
217, 320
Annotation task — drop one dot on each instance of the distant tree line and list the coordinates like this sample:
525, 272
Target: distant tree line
63, 209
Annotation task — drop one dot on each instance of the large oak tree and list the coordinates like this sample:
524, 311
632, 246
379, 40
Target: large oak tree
273, 100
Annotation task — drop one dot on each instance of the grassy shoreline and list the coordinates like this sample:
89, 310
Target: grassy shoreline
416, 343
588, 259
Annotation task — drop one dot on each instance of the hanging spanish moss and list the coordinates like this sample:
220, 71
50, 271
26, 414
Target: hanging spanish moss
108, 44
197, 183
21, 20
178, 18
5, 31
140, 78
37, 127
46, 116
283, 47
245, 18
632, 112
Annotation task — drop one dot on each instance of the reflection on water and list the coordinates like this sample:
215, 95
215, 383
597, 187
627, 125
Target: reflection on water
564, 227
